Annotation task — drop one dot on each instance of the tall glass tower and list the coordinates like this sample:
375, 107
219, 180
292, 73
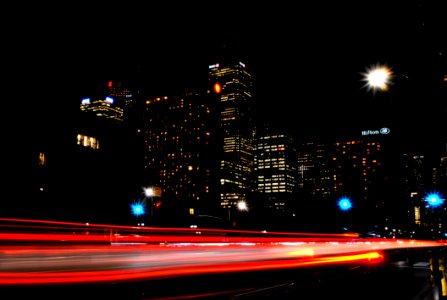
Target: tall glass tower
234, 86
276, 169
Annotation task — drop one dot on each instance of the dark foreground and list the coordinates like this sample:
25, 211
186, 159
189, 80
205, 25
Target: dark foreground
400, 276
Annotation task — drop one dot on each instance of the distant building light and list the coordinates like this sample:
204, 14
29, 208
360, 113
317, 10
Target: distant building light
383, 130
242, 64
109, 100
85, 101
213, 66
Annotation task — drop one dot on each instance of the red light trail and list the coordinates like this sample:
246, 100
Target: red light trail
41, 252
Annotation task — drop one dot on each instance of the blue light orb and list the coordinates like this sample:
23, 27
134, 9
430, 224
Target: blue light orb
434, 199
345, 204
138, 209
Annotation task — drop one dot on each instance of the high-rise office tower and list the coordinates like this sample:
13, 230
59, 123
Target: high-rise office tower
122, 95
105, 152
442, 174
313, 173
111, 99
180, 153
276, 170
363, 171
103, 108
414, 181
234, 87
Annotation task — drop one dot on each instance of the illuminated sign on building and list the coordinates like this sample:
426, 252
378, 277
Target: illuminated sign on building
217, 88
383, 130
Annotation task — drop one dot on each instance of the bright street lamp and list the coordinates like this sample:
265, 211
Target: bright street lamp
242, 206
149, 193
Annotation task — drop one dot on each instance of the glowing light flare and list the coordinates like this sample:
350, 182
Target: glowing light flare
138, 209
217, 88
434, 199
378, 78
149, 192
345, 204
242, 206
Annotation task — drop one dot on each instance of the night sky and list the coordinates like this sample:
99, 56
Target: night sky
307, 58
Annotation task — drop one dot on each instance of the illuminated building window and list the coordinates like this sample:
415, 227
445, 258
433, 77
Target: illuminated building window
42, 159
86, 141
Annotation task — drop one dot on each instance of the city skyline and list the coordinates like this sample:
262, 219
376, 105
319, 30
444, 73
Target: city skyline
96, 195
308, 79
312, 57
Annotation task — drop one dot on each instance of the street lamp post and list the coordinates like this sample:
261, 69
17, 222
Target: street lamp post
149, 193
241, 206
138, 210
436, 218
345, 205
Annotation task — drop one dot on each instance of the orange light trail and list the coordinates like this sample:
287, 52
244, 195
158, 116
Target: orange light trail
65, 253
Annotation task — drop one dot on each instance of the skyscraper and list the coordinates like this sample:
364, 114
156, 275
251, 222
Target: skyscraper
234, 86
111, 99
313, 172
276, 170
364, 169
180, 153
104, 108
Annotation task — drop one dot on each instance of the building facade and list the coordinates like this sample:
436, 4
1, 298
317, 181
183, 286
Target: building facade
276, 170
234, 86
313, 172
179, 135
